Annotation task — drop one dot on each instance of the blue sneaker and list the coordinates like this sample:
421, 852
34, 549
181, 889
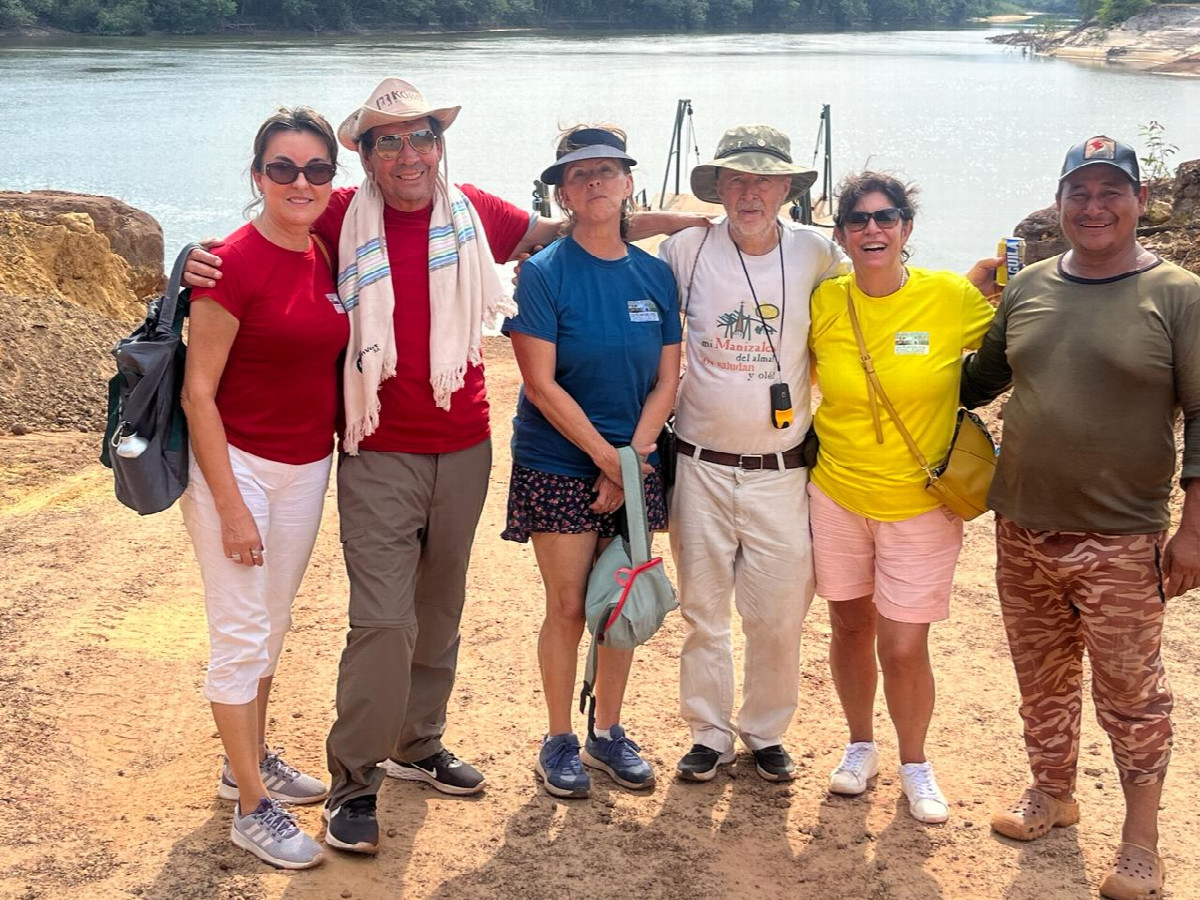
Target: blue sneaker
559, 768
619, 758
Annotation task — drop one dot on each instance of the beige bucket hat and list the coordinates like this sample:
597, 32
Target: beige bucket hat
757, 149
393, 100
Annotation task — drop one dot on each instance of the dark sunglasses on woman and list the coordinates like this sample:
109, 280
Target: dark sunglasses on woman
286, 172
888, 217
389, 146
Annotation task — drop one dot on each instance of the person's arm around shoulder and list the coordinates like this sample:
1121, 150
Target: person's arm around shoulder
210, 337
977, 314
648, 223
542, 232
203, 268
1181, 558
641, 226
986, 373
835, 262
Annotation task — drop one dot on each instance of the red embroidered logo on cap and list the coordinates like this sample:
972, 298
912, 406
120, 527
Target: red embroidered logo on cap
1100, 148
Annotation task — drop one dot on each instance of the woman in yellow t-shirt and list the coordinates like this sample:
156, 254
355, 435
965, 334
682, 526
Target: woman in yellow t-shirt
885, 550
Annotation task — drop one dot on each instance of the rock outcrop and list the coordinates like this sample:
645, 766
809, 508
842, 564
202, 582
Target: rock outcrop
132, 234
1170, 227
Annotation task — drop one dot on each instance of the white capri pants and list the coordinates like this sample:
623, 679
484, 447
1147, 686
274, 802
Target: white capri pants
250, 607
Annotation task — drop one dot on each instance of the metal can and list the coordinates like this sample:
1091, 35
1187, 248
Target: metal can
1013, 251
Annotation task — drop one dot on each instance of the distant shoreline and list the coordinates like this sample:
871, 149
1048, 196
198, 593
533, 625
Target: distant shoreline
252, 30
1164, 40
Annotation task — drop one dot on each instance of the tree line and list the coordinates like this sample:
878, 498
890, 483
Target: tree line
208, 16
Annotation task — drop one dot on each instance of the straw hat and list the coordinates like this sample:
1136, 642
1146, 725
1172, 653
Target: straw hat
393, 100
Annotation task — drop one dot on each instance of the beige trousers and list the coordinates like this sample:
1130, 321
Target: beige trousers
743, 536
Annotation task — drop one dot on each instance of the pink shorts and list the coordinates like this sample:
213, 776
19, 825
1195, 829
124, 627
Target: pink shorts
907, 566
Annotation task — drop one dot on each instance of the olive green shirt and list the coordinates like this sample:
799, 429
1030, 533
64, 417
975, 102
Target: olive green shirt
1100, 370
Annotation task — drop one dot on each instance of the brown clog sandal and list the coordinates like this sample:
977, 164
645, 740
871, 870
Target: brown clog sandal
1034, 815
1137, 874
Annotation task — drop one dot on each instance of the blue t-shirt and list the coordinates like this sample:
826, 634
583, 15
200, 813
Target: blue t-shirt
609, 320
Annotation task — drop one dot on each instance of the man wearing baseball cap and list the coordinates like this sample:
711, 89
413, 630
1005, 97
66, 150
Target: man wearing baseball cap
739, 511
1102, 347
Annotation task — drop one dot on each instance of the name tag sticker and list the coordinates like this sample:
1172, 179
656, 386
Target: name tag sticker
643, 311
912, 343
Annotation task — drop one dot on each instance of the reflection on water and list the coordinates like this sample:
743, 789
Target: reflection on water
167, 125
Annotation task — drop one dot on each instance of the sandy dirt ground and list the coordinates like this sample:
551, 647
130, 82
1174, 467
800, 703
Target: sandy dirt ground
109, 759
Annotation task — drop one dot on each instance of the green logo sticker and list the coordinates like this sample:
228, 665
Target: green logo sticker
912, 343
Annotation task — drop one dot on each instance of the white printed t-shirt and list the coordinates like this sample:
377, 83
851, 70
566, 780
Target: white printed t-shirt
724, 401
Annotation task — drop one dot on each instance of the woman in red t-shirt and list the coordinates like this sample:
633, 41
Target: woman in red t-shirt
261, 396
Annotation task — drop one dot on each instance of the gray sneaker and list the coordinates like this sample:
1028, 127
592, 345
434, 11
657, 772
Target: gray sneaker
281, 781
270, 833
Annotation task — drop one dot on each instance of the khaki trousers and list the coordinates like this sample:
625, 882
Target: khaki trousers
408, 521
740, 535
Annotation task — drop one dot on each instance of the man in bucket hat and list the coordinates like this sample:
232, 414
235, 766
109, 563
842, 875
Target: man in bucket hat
416, 277
739, 512
1102, 346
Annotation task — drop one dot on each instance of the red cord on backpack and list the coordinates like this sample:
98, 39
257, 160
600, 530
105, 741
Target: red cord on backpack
627, 585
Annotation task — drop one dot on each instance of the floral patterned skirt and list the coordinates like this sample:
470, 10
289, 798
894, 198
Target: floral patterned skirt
558, 504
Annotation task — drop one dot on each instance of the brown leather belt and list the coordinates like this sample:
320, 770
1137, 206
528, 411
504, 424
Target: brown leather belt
792, 459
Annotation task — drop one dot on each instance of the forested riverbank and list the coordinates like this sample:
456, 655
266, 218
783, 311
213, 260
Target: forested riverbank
127, 17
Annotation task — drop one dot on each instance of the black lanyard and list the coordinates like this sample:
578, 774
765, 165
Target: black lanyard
782, 298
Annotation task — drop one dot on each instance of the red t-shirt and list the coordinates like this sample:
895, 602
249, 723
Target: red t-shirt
280, 391
409, 421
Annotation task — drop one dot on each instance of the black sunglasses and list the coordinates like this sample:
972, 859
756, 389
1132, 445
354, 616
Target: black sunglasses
314, 173
888, 217
389, 146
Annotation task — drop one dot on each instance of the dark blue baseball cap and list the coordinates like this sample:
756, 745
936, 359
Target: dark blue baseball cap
1106, 150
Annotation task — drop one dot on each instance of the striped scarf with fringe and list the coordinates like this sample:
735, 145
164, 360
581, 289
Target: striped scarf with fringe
465, 296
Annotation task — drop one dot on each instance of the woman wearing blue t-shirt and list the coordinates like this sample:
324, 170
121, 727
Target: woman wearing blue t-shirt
597, 339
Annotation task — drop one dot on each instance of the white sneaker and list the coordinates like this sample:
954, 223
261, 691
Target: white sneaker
271, 834
282, 781
926, 801
860, 763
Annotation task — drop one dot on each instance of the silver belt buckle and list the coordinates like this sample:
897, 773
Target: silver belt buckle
742, 457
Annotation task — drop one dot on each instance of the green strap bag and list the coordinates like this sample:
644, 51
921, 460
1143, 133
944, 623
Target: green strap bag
628, 592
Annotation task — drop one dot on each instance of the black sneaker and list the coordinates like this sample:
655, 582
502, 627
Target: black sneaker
774, 764
701, 763
444, 771
353, 826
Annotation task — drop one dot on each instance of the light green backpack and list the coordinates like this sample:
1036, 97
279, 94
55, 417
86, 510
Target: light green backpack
628, 592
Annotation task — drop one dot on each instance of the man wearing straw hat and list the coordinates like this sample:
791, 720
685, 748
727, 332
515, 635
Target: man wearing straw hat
739, 513
412, 482
416, 277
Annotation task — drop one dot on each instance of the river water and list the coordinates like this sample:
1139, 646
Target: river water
166, 125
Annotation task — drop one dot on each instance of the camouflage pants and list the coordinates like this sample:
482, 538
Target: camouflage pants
1061, 593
